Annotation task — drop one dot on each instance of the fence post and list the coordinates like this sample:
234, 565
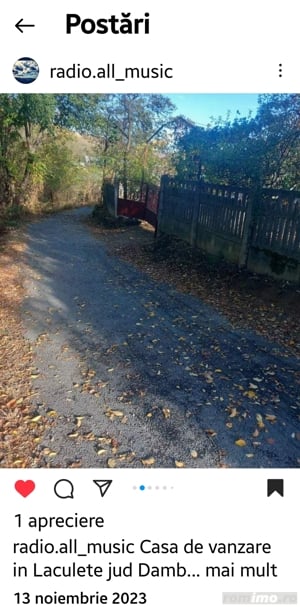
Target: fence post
160, 210
116, 195
146, 201
195, 215
248, 227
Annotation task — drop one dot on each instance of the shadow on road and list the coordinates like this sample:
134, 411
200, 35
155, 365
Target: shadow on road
137, 374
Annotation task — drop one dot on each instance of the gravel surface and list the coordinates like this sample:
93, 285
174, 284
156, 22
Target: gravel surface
132, 373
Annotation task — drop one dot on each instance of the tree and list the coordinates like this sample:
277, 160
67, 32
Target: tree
131, 122
278, 119
23, 121
122, 125
259, 151
8, 138
132, 135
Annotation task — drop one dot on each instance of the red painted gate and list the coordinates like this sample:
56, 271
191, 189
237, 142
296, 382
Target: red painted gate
138, 200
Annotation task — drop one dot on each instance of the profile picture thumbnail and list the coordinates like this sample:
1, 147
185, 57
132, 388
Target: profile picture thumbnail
25, 70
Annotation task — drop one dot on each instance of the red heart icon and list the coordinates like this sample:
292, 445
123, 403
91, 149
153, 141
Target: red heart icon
24, 487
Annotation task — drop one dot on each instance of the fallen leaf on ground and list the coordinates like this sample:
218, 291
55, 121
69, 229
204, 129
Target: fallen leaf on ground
89, 436
270, 418
259, 420
36, 418
111, 462
250, 394
104, 440
208, 377
240, 442
52, 413
49, 452
148, 462
126, 456
211, 432
112, 413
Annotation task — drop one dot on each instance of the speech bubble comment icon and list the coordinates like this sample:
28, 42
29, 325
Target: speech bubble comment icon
64, 489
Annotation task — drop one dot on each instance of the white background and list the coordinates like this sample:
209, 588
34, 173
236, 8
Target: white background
206, 505
216, 46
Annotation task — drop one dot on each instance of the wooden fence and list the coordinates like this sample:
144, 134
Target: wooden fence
277, 222
257, 230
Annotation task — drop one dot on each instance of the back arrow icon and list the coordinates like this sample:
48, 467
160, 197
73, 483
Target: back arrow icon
19, 25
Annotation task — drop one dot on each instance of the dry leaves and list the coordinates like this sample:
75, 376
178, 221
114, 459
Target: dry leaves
148, 462
258, 304
240, 442
114, 413
250, 394
48, 452
208, 377
270, 418
113, 462
210, 432
20, 427
52, 413
259, 420
101, 451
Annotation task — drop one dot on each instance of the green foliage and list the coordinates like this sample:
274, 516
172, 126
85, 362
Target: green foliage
24, 119
63, 146
36, 155
58, 163
54, 144
129, 128
256, 151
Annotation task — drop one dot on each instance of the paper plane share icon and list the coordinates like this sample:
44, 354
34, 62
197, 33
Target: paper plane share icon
103, 486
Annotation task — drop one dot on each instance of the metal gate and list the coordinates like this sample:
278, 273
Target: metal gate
140, 200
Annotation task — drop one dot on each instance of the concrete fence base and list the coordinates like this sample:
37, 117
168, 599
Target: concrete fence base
258, 230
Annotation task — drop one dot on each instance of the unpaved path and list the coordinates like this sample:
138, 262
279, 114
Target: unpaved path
132, 373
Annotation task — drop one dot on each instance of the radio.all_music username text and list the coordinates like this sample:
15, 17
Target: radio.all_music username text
111, 71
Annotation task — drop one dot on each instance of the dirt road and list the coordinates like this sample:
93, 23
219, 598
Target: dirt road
132, 373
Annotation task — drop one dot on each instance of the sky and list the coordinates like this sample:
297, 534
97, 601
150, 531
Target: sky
200, 107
